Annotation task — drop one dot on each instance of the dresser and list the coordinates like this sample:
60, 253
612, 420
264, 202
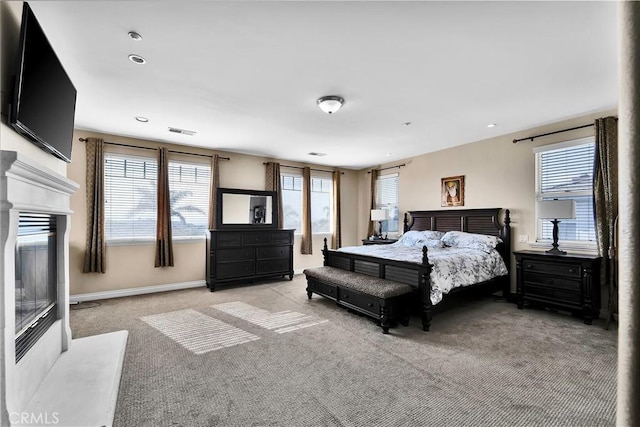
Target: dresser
568, 282
248, 255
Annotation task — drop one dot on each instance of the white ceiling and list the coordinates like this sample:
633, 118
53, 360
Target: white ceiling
246, 75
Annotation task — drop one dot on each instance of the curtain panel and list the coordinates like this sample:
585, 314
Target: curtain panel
273, 183
95, 248
374, 182
336, 238
164, 243
213, 194
605, 192
307, 237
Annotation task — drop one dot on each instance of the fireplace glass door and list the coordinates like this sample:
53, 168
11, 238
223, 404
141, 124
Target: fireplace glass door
36, 278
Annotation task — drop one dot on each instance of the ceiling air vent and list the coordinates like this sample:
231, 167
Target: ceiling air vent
182, 131
313, 153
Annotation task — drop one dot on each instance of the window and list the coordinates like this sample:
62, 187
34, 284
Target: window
387, 198
130, 184
189, 198
130, 198
565, 171
321, 206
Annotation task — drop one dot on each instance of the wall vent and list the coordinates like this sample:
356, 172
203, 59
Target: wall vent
183, 131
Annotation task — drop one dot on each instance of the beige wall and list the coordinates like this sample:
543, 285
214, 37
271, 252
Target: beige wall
497, 173
133, 265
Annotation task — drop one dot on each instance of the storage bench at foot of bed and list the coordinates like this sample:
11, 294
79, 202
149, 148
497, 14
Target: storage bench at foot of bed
382, 299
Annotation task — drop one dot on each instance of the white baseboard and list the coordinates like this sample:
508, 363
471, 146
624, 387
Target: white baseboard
135, 291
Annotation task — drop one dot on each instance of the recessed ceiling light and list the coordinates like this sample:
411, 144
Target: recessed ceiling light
388, 154
491, 125
313, 153
142, 119
137, 59
135, 36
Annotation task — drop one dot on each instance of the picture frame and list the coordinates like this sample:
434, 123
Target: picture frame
452, 191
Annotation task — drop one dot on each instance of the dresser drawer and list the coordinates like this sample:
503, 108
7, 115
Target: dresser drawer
552, 281
256, 238
559, 269
230, 255
226, 240
273, 266
230, 270
281, 237
273, 252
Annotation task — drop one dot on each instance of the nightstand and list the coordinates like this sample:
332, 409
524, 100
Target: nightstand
378, 241
569, 282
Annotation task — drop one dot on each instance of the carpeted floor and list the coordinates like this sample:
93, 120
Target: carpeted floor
267, 356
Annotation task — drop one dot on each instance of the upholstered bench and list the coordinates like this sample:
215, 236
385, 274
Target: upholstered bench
385, 300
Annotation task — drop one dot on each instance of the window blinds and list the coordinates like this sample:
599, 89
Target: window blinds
189, 198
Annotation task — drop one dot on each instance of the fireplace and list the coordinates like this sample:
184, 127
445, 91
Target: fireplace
36, 279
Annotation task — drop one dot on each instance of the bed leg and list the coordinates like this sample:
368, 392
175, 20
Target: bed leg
426, 319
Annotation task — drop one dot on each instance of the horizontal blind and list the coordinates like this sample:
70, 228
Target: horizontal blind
130, 199
567, 174
387, 198
321, 189
189, 198
291, 201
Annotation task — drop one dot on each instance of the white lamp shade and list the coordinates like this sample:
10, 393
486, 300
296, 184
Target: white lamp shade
378, 214
557, 209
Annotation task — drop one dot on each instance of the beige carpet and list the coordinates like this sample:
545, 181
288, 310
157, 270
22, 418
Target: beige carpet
294, 362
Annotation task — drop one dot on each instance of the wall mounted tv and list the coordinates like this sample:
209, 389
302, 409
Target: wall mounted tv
44, 99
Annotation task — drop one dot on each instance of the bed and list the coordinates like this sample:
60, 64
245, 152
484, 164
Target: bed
416, 270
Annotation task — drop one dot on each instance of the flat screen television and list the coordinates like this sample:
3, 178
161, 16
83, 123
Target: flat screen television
44, 98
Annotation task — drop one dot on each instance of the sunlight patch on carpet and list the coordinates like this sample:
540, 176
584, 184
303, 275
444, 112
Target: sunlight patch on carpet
197, 332
281, 322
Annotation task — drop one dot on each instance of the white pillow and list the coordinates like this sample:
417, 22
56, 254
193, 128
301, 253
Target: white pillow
481, 242
421, 238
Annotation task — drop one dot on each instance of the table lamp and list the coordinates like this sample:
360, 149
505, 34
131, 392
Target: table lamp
379, 215
556, 209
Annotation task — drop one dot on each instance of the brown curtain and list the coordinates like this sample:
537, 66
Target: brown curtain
374, 182
307, 246
213, 192
336, 239
94, 252
164, 244
273, 183
605, 192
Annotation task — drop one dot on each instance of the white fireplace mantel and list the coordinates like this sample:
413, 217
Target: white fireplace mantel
26, 186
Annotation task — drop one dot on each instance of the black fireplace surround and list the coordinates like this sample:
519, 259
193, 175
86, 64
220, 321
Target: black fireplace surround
36, 279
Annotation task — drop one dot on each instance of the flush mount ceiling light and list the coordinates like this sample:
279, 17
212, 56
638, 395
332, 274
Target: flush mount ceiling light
142, 119
135, 36
137, 59
330, 104
491, 125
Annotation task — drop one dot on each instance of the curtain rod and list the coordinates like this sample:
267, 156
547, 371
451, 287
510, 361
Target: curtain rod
515, 141
300, 167
390, 167
150, 148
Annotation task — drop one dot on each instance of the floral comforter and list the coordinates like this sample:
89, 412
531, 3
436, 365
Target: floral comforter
452, 267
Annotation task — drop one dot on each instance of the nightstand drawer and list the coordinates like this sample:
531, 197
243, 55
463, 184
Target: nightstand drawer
569, 270
553, 295
552, 281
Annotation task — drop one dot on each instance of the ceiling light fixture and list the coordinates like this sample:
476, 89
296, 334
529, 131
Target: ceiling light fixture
491, 125
135, 36
137, 59
330, 104
142, 119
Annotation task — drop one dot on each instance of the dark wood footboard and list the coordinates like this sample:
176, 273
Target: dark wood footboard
414, 274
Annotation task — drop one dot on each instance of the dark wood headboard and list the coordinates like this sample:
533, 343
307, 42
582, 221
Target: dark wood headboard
480, 221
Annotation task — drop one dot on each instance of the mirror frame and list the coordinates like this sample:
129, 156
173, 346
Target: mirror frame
219, 205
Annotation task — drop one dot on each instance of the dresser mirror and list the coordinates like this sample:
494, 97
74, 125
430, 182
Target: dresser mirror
237, 208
